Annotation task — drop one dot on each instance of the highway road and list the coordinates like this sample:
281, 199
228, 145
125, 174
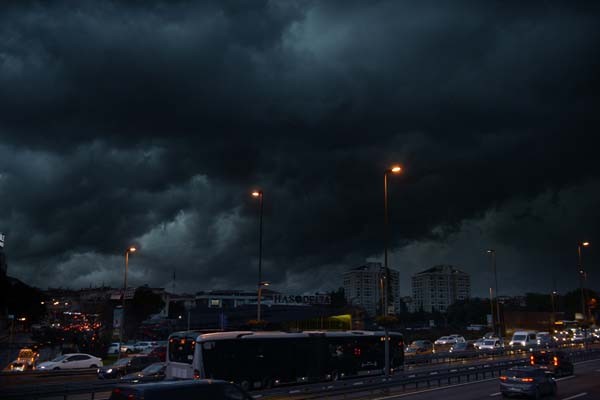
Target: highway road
583, 385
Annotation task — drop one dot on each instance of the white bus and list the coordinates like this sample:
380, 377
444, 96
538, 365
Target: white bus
257, 360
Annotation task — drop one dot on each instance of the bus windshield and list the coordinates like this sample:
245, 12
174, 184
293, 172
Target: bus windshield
181, 349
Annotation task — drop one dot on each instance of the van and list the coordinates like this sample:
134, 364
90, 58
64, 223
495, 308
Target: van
523, 339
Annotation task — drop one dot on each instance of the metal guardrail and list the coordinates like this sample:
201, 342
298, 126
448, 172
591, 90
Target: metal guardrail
374, 383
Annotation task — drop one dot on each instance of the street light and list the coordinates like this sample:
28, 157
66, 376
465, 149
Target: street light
395, 169
129, 250
493, 253
259, 194
260, 286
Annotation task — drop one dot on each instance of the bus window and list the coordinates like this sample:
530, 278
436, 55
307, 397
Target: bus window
181, 350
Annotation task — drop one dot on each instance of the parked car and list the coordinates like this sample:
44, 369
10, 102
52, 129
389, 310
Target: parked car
152, 373
180, 390
160, 352
143, 346
127, 348
113, 348
529, 381
71, 361
126, 366
556, 362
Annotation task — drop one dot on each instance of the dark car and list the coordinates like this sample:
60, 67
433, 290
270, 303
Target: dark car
463, 349
152, 373
181, 390
555, 362
160, 352
528, 381
126, 366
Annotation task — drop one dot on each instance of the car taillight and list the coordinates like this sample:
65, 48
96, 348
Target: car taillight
531, 360
526, 379
555, 361
504, 378
196, 374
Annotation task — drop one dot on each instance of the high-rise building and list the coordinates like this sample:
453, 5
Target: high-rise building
362, 287
436, 288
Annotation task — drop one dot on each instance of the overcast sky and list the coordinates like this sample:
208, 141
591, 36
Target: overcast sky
151, 122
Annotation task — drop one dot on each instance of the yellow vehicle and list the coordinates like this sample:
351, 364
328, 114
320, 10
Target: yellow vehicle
25, 360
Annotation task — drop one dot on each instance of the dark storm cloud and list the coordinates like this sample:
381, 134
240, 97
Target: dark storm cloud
150, 122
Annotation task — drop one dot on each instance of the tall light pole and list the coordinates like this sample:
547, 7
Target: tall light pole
582, 276
493, 253
395, 169
260, 286
259, 194
122, 335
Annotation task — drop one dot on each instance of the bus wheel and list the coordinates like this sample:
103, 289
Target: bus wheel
245, 385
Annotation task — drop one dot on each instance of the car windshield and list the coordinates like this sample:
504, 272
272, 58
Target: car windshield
59, 358
519, 337
122, 361
153, 368
489, 342
444, 338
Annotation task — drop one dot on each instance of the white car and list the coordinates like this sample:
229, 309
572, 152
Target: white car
144, 346
71, 361
445, 340
491, 344
113, 348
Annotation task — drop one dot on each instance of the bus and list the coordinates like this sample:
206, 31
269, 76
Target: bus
261, 360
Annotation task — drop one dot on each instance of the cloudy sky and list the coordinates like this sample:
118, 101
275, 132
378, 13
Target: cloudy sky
151, 122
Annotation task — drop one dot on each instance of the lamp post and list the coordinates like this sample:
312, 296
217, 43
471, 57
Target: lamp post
396, 169
582, 275
260, 286
122, 335
493, 253
259, 194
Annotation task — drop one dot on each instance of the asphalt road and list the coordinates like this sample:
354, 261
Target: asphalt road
583, 385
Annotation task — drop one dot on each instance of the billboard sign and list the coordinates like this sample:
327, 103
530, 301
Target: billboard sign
117, 317
321, 299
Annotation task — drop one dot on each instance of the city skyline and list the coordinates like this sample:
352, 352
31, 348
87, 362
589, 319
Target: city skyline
151, 126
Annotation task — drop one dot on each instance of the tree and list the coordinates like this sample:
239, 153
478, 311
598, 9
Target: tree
338, 298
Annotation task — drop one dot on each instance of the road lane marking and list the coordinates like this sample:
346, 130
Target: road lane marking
434, 389
495, 394
566, 378
576, 396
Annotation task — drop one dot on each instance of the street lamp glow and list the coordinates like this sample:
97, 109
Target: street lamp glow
490, 251
132, 249
256, 193
265, 283
585, 244
396, 169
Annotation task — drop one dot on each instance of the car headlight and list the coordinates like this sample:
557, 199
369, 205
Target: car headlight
108, 371
42, 367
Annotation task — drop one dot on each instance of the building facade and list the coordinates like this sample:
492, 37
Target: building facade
363, 287
436, 288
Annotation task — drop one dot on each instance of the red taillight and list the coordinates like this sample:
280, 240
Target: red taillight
196, 374
504, 378
116, 391
526, 379
131, 397
531, 360
357, 351
555, 361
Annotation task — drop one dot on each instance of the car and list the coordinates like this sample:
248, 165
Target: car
152, 373
528, 381
522, 339
127, 348
556, 362
544, 339
458, 338
113, 348
462, 347
71, 361
180, 390
160, 352
494, 344
478, 343
26, 360
125, 366
418, 347
143, 346
445, 340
